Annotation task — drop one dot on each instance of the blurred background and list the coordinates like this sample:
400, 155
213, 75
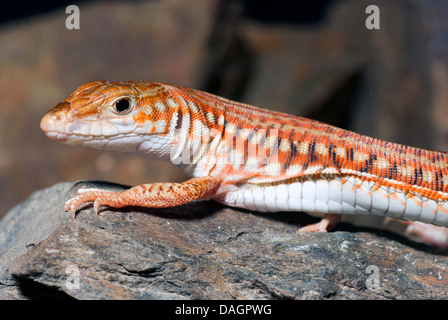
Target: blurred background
309, 58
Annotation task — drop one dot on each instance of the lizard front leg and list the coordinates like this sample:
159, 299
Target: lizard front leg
153, 195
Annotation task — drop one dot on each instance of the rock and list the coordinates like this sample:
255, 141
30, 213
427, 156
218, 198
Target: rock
202, 251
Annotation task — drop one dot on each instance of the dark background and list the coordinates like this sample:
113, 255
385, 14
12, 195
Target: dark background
309, 58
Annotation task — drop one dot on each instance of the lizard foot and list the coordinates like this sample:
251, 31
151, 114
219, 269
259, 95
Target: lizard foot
98, 196
328, 222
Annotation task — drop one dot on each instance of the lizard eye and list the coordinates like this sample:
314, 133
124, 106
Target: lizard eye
122, 105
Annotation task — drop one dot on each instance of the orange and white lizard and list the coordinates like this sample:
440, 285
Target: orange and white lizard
248, 157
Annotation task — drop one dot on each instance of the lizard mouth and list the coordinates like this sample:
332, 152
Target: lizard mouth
92, 134
59, 125
57, 136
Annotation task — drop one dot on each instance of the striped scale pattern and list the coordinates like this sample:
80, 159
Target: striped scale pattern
321, 168
264, 160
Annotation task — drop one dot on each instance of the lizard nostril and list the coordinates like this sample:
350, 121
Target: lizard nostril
57, 114
60, 116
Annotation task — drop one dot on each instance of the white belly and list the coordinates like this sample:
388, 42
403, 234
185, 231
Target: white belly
353, 196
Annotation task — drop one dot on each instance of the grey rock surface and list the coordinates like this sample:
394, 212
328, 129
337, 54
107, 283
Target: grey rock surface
202, 251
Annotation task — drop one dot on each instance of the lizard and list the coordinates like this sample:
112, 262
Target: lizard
248, 157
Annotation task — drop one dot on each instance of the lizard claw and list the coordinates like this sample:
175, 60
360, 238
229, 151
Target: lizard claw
98, 196
72, 205
96, 205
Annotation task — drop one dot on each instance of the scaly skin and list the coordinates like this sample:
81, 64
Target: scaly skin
248, 157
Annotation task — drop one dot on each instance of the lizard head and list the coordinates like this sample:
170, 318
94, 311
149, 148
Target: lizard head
118, 116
